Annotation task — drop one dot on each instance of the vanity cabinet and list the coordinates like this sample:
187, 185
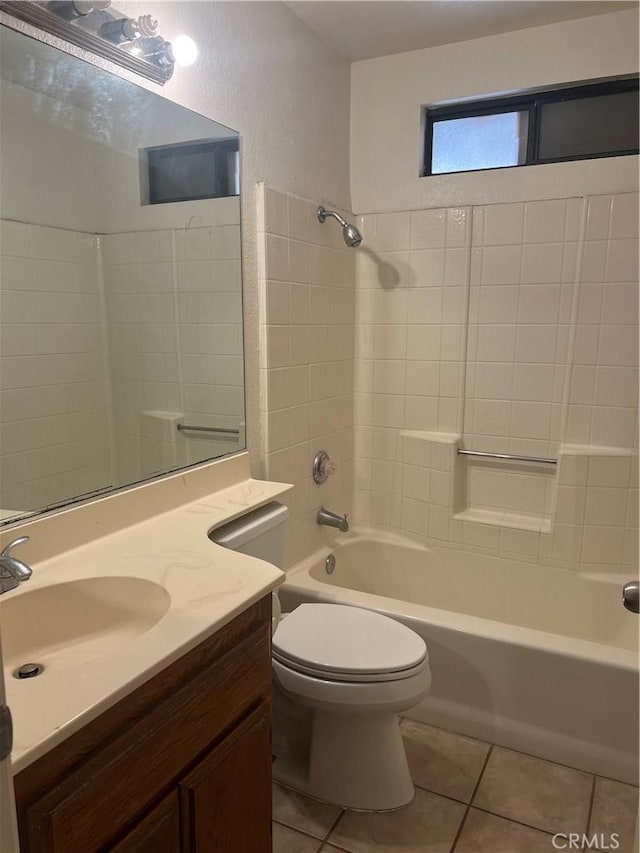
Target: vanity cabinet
181, 765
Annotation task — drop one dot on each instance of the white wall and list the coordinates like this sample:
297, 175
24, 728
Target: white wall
388, 94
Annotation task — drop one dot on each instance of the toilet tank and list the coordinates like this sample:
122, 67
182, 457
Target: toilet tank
259, 533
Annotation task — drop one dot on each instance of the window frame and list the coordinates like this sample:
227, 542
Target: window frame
531, 103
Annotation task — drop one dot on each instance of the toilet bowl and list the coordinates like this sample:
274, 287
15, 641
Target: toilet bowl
354, 671
341, 676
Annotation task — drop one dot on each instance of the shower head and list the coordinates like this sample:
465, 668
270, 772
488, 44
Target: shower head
352, 237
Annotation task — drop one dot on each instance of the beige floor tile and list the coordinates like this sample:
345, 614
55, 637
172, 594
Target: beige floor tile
487, 833
540, 793
443, 762
428, 825
615, 806
287, 840
299, 812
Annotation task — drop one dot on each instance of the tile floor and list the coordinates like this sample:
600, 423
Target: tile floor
471, 797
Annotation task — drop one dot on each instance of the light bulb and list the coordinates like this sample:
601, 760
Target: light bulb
185, 50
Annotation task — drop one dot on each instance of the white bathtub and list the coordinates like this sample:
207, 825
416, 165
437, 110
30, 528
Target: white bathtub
534, 658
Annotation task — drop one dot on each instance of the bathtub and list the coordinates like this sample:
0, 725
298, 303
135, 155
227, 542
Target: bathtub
530, 657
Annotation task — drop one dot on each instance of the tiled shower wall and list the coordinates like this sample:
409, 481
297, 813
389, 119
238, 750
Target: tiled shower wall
175, 324
307, 315
508, 328
91, 397
53, 373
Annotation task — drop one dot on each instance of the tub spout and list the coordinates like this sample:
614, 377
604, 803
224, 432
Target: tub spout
330, 519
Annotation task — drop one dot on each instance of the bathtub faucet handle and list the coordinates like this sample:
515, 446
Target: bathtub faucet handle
323, 467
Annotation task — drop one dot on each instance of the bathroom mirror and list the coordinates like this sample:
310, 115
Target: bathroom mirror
120, 282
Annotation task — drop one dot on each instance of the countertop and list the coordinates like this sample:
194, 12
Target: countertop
207, 584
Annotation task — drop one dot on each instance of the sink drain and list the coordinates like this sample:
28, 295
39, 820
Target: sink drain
28, 670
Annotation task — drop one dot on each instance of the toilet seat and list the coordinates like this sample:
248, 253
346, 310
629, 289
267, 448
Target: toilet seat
340, 643
351, 677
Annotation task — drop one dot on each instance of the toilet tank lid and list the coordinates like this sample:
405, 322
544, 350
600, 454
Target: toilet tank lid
237, 533
344, 639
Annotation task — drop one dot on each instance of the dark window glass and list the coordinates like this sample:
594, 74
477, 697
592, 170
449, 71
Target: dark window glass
193, 170
584, 127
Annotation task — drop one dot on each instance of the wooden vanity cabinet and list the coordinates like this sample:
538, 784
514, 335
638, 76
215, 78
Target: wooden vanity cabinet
181, 765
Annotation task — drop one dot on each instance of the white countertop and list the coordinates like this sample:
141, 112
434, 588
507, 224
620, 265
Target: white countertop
207, 584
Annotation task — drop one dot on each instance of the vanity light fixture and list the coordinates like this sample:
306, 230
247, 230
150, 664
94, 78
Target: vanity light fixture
96, 26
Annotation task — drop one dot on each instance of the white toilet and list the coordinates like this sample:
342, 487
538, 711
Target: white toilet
341, 677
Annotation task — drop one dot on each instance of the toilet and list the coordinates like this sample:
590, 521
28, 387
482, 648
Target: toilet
342, 675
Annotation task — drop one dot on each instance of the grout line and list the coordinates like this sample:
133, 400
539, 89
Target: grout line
320, 841
484, 767
514, 820
440, 794
591, 801
443, 729
473, 794
559, 764
333, 826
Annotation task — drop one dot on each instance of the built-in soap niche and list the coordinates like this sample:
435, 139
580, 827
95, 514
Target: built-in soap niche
504, 493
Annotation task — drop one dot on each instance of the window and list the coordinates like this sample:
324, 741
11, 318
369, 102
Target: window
596, 120
191, 170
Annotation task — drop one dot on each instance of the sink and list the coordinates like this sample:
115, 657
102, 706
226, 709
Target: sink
78, 621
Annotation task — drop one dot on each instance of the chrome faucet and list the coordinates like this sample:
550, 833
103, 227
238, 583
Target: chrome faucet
330, 519
631, 596
12, 571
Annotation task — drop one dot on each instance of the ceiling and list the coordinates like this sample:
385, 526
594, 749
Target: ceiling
365, 29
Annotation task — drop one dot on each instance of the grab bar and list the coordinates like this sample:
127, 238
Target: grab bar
541, 460
183, 427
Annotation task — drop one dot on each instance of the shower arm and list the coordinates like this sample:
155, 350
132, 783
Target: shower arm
323, 213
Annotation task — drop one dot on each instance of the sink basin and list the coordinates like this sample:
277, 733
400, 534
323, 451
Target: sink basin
78, 621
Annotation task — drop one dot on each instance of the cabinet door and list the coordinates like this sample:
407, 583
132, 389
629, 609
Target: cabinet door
157, 832
227, 798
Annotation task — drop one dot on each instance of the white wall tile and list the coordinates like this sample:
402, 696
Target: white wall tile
598, 217
427, 229
622, 261
545, 221
602, 544
624, 216
501, 265
503, 224
605, 506
542, 263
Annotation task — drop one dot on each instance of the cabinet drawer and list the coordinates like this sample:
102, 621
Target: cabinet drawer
93, 805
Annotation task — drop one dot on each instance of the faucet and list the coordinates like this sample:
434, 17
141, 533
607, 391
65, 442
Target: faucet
12, 571
631, 596
330, 519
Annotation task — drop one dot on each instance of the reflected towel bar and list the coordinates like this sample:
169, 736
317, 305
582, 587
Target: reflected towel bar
537, 459
183, 427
